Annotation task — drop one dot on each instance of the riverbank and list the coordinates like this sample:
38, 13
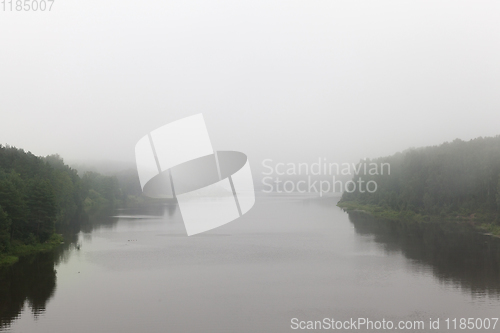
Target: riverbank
481, 222
20, 250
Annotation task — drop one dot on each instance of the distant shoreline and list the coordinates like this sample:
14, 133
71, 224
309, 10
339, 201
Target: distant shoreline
479, 222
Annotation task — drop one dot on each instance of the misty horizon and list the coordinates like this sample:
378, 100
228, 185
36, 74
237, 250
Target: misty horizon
290, 81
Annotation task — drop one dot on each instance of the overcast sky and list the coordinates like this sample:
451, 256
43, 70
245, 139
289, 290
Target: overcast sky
286, 80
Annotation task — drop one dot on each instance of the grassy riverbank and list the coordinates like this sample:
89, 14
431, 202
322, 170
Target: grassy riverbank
480, 221
19, 250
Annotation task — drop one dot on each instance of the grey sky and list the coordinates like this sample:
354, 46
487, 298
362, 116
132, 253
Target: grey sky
287, 80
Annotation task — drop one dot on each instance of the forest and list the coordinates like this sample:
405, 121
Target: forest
39, 193
459, 179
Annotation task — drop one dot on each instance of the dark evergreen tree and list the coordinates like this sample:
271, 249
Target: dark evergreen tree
12, 200
4, 231
42, 208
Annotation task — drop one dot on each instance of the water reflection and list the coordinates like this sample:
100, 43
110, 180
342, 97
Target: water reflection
456, 253
32, 280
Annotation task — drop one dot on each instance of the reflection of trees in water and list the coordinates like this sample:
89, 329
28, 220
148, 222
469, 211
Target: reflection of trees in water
32, 280
455, 252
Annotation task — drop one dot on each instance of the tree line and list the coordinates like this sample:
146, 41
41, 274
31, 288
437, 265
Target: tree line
36, 193
458, 178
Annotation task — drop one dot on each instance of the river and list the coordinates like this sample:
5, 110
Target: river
289, 257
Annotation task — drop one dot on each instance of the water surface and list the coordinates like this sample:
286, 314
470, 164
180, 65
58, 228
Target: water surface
289, 257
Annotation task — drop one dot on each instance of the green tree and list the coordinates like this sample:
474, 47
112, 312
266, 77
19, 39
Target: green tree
498, 194
4, 231
42, 208
12, 200
455, 178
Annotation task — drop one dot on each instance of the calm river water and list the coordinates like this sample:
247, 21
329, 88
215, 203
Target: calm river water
289, 257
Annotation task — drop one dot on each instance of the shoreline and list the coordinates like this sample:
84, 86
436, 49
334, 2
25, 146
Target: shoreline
479, 223
11, 257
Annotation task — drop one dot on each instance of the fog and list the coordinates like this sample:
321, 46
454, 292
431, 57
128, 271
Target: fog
285, 80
